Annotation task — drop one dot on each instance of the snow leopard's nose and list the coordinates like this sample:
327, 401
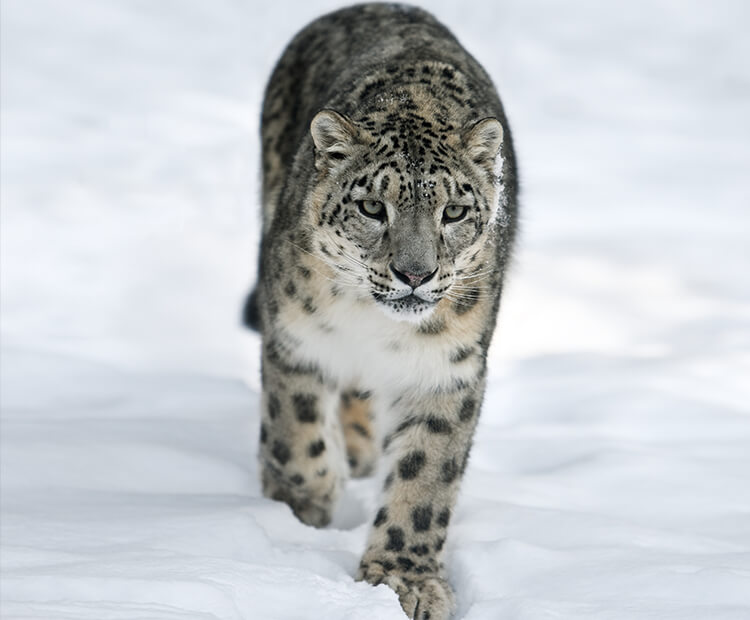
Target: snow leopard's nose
413, 279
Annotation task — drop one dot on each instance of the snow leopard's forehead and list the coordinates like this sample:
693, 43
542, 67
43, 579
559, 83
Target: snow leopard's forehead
414, 163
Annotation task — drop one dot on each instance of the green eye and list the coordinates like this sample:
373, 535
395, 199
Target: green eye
372, 208
453, 213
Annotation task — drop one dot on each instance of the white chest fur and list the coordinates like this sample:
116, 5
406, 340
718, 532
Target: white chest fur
357, 344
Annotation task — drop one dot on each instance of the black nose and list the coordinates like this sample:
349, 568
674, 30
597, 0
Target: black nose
413, 279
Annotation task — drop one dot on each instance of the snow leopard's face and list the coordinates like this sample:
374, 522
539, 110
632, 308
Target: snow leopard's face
404, 206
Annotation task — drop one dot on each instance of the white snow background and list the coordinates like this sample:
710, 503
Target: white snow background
611, 472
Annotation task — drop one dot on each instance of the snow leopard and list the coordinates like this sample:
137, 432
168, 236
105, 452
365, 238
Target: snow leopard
389, 208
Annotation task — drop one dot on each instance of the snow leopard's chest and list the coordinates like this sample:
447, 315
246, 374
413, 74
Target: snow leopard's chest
357, 344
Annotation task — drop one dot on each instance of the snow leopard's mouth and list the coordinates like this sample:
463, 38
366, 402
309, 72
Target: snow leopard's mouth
409, 303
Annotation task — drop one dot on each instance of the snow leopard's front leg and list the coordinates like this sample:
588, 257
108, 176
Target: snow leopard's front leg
428, 450
302, 452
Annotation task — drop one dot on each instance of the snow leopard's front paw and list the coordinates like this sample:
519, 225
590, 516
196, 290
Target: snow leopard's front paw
312, 506
423, 597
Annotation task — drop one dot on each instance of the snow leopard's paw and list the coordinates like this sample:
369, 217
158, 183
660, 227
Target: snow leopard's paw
313, 506
423, 597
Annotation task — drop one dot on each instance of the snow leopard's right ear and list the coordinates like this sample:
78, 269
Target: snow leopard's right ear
335, 137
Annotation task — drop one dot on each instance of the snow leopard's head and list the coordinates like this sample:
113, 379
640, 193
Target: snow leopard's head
404, 204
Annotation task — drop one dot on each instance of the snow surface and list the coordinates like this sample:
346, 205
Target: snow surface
611, 472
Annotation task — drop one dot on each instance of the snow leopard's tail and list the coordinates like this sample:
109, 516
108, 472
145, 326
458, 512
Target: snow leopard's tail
251, 312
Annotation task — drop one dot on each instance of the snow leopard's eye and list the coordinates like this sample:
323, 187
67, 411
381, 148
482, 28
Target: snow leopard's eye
454, 213
372, 208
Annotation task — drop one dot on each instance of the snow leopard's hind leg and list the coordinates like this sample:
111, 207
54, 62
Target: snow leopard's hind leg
357, 424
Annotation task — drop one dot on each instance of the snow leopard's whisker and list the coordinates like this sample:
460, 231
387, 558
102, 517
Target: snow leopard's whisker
466, 282
321, 259
470, 282
346, 278
476, 274
478, 269
342, 253
459, 297
464, 290
466, 286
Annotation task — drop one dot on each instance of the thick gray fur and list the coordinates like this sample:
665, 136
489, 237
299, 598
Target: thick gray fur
389, 214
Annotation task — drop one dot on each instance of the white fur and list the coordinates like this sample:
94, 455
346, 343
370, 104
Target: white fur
369, 350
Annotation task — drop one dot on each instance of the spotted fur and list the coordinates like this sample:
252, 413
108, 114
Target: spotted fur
389, 211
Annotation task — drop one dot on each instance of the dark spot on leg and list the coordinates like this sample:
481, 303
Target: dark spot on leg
263, 433
439, 544
443, 517
381, 517
459, 355
353, 462
281, 452
395, 539
419, 549
274, 406
449, 471
438, 425
410, 466
421, 518
387, 566
388, 481
467, 409
297, 479
304, 406
316, 448
404, 563
290, 289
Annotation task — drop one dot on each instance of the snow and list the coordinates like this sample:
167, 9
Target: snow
611, 467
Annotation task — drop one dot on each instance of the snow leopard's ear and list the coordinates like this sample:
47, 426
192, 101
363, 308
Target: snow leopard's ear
335, 137
482, 141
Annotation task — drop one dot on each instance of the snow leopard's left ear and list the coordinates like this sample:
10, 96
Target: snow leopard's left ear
482, 142
335, 137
